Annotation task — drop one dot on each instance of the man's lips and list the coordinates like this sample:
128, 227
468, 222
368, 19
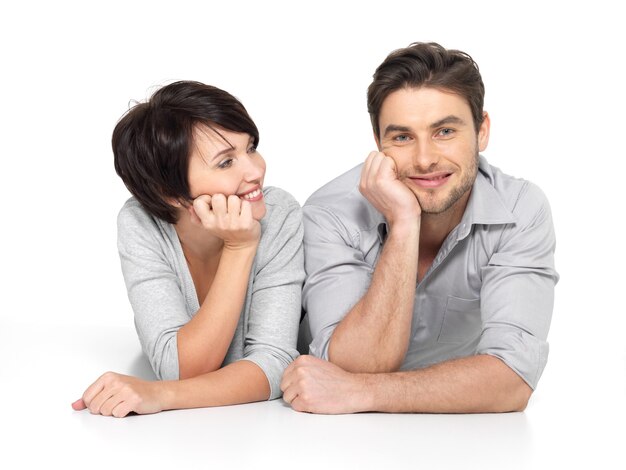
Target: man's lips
432, 180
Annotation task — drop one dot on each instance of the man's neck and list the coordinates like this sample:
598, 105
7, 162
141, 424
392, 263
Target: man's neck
434, 228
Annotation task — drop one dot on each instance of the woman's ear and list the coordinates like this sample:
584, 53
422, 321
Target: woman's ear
174, 202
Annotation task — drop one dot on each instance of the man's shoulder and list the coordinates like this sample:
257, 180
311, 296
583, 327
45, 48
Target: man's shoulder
342, 187
523, 198
342, 199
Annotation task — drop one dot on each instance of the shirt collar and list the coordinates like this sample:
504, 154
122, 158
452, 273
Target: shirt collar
485, 206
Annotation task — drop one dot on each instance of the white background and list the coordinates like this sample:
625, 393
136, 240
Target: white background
555, 92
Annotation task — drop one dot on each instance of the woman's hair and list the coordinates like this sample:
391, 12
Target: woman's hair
428, 65
153, 141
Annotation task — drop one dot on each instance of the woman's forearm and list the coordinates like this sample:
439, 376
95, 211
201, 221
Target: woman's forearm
204, 340
239, 382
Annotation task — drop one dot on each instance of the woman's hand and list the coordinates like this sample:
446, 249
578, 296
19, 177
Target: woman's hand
227, 218
117, 395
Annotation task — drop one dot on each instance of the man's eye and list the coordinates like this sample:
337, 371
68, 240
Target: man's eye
446, 132
401, 138
226, 163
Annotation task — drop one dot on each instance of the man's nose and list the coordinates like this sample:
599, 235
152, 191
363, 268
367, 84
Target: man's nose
425, 155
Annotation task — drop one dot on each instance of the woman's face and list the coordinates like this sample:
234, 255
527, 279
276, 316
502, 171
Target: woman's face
227, 163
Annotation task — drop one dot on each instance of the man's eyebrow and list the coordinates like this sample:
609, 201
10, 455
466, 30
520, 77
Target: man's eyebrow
395, 128
452, 119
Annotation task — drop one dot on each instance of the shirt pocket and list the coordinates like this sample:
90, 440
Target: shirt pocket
461, 321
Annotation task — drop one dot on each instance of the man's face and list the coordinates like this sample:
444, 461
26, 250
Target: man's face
431, 137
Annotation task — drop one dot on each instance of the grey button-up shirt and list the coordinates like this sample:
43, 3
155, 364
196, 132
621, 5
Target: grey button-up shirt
490, 290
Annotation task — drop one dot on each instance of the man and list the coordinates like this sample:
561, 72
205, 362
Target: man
430, 274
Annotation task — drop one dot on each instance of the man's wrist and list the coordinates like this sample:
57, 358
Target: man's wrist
366, 396
405, 228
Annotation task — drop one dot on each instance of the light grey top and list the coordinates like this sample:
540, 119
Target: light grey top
163, 295
490, 290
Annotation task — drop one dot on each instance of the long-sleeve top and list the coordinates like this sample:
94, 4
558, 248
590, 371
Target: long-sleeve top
163, 296
489, 290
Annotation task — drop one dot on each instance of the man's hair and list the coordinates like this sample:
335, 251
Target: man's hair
153, 141
427, 65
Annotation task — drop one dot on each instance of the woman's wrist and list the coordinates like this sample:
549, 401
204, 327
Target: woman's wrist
247, 247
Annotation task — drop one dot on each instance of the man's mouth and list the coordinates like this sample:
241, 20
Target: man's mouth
433, 180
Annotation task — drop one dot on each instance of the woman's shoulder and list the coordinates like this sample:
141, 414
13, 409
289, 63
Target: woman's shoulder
133, 215
279, 205
136, 226
278, 197
281, 229
283, 217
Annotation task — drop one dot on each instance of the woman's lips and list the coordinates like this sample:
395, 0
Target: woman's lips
252, 196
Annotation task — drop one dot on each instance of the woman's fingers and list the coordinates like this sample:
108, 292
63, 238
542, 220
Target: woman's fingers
229, 218
79, 405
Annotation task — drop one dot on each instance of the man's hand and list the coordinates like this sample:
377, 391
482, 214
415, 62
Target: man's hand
229, 219
317, 386
382, 188
117, 395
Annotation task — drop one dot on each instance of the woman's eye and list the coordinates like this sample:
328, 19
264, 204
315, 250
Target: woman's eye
252, 149
226, 163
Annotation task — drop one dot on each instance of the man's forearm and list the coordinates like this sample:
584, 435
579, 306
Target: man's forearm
477, 384
374, 335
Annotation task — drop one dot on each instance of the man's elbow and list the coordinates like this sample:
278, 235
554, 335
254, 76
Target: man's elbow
522, 397
360, 363
513, 399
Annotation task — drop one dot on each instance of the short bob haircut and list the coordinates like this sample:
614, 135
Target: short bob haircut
153, 141
427, 65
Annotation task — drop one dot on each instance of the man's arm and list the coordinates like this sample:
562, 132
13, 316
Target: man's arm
374, 334
477, 384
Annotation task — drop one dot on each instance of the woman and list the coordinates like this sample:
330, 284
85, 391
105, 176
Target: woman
212, 260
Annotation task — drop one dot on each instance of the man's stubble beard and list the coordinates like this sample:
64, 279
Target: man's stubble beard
431, 207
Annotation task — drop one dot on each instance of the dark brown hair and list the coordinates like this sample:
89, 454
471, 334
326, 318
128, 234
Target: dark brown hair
427, 65
153, 141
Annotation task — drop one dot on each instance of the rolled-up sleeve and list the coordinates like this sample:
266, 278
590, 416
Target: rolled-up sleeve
154, 292
337, 274
272, 330
517, 293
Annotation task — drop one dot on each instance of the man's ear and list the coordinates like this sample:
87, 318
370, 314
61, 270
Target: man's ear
377, 140
483, 132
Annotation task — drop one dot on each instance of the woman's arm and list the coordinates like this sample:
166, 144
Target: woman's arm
275, 307
203, 342
118, 395
178, 344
